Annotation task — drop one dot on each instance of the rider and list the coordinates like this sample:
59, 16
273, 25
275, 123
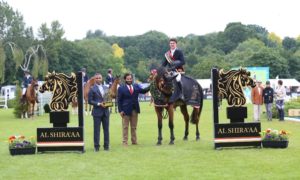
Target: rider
174, 58
174, 61
109, 78
26, 81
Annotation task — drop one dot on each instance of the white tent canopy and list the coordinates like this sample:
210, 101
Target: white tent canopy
205, 83
286, 82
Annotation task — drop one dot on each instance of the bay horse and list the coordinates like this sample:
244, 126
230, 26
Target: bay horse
163, 86
90, 83
30, 97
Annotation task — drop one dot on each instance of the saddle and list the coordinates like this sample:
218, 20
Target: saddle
187, 90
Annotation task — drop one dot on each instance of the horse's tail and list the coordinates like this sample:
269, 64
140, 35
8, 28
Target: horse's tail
195, 116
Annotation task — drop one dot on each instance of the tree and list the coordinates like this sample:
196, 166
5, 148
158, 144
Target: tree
275, 40
35, 54
117, 51
289, 44
233, 34
268, 57
12, 29
203, 68
97, 34
51, 39
245, 50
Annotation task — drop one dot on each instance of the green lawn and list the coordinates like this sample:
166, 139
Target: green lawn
184, 160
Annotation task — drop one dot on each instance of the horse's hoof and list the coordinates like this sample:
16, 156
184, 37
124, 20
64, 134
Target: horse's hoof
158, 143
171, 143
185, 138
197, 138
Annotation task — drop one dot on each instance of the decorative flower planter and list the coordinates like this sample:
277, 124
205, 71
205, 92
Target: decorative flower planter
275, 144
22, 151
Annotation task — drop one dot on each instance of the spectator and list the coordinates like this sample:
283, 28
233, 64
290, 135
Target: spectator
257, 100
84, 75
280, 95
268, 96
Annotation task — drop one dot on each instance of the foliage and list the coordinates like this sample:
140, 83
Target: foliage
19, 141
237, 45
275, 135
274, 39
292, 104
47, 108
2, 63
117, 51
11, 103
19, 107
289, 44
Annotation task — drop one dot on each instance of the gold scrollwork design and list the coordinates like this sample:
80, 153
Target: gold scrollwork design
64, 89
231, 83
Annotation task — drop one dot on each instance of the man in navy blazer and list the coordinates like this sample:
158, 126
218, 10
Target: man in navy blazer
100, 112
129, 108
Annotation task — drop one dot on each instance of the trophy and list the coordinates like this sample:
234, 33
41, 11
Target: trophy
107, 100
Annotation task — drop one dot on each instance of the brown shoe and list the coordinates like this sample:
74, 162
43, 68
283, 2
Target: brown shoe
125, 144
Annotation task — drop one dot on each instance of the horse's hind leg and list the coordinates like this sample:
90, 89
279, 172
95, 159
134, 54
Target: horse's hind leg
196, 115
185, 114
159, 124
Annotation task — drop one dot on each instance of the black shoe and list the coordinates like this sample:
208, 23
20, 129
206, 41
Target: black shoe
96, 149
106, 149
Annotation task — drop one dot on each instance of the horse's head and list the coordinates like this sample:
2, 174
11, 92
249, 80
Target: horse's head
164, 80
117, 79
34, 84
152, 75
245, 78
49, 83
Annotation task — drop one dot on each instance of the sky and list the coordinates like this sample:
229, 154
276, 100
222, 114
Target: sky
172, 17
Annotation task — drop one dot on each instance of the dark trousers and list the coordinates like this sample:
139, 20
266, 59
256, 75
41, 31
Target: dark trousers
280, 108
281, 114
105, 124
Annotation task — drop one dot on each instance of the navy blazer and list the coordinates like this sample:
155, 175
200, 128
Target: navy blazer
177, 56
127, 101
95, 97
109, 80
27, 81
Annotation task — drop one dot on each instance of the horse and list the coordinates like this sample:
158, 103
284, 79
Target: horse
231, 85
29, 99
162, 87
112, 91
23, 106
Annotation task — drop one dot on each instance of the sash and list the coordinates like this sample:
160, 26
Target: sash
169, 57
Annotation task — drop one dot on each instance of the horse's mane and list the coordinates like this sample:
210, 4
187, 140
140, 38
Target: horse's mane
230, 86
68, 84
64, 89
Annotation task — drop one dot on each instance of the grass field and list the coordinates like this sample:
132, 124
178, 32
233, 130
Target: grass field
184, 160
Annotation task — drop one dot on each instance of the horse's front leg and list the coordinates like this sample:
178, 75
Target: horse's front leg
171, 123
30, 110
185, 114
158, 111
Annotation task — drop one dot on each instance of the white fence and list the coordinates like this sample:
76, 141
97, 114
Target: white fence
3, 102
